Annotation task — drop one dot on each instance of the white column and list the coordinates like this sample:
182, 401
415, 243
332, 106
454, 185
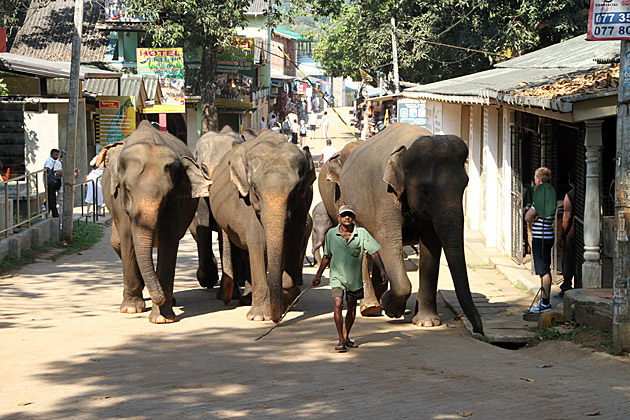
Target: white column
592, 269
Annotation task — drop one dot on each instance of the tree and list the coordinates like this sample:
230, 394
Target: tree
429, 33
209, 25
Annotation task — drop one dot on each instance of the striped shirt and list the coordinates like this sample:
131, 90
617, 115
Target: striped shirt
543, 227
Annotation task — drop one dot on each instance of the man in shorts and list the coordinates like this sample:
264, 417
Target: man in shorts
344, 246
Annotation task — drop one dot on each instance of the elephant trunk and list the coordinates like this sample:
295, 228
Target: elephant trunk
450, 229
143, 239
274, 220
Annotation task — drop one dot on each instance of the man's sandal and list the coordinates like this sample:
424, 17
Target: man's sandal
351, 344
341, 348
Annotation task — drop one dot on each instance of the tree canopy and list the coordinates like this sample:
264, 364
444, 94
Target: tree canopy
438, 40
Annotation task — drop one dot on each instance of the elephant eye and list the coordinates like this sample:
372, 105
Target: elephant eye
204, 169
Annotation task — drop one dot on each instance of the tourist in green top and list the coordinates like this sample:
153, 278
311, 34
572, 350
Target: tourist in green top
343, 249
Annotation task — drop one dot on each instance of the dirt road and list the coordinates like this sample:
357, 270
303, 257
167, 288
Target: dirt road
66, 353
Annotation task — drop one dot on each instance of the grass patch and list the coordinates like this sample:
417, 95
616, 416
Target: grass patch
84, 236
590, 337
482, 265
521, 288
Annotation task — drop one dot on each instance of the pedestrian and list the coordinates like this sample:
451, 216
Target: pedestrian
568, 231
262, 123
272, 119
276, 128
312, 124
542, 214
53, 180
327, 152
325, 122
344, 246
94, 176
295, 128
302, 133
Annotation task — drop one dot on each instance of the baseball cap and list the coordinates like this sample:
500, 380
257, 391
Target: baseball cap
346, 208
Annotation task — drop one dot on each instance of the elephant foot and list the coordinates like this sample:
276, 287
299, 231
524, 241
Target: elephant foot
426, 318
245, 300
132, 305
393, 305
236, 294
207, 280
288, 296
162, 314
259, 313
368, 309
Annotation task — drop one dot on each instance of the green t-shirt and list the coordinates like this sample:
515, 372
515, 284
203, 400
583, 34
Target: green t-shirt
345, 257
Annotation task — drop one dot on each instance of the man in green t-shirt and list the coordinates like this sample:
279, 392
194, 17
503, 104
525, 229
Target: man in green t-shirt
343, 249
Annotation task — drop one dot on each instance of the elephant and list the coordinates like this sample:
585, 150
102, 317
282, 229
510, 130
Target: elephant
406, 186
321, 224
328, 180
211, 147
151, 186
261, 194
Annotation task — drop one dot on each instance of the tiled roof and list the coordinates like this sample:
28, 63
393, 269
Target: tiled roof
47, 32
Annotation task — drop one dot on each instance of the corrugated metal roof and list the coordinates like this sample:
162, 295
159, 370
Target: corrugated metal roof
536, 68
576, 53
49, 69
257, 7
47, 32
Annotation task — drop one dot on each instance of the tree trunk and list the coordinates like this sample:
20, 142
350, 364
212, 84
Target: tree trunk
209, 116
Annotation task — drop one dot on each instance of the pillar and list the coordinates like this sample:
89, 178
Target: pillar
592, 269
162, 122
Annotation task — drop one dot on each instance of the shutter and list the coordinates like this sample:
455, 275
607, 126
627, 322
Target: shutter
578, 206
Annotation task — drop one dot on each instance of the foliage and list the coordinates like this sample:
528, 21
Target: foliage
360, 34
595, 338
3, 88
10, 10
10, 263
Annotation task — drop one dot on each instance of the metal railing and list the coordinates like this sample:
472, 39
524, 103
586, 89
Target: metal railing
94, 213
19, 189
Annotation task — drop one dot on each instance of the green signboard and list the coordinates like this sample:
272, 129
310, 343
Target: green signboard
235, 75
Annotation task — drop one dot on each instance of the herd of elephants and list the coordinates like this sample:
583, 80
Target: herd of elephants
255, 190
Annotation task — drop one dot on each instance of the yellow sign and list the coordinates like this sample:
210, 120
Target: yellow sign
115, 118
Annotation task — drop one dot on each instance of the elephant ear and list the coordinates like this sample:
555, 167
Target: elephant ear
394, 174
193, 184
108, 158
334, 168
309, 176
238, 170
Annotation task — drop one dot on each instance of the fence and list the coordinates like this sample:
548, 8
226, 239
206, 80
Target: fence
22, 201
24, 191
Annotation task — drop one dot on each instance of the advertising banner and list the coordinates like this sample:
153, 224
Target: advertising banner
235, 75
115, 118
115, 12
608, 20
413, 111
168, 65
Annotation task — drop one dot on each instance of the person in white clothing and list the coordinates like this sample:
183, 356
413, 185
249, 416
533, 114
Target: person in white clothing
263, 124
325, 122
327, 152
95, 176
312, 124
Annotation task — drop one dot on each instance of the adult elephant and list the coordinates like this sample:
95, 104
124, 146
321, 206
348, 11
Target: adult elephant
261, 193
210, 149
406, 186
151, 186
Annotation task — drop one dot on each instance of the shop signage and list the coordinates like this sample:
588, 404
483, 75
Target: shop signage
235, 75
608, 20
115, 118
413, 111
168, 65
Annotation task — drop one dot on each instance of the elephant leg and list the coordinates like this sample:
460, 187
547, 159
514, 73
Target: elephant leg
208, 272
369, 303
261, 304
133, 302
394, 300
430, 250
246, 298
227, 279
168, 244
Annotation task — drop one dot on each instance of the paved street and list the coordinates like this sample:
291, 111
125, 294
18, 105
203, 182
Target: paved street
67, 353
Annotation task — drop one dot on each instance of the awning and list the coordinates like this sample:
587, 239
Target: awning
49, 69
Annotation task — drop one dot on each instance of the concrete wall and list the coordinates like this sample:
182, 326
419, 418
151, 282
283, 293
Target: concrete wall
40, 232
491, 221
81, 159
451, 118
505, 243
473, 211
41, 132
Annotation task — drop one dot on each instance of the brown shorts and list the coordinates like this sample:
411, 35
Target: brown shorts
351, 297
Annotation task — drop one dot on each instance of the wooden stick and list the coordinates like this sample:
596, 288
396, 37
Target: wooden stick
285, 312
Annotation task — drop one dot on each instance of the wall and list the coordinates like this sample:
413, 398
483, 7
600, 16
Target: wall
192, 129
473, 203
451, 118
505, 242
41, 134
491, 223
279, 64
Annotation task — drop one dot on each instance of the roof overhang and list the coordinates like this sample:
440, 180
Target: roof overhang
49, 69
458, 99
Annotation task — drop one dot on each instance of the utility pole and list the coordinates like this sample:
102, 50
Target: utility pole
395, 56
621, 292
71, 138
